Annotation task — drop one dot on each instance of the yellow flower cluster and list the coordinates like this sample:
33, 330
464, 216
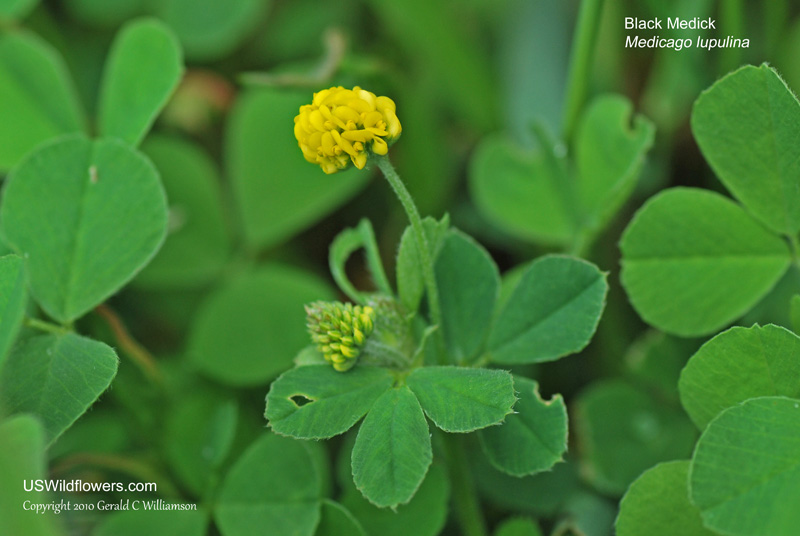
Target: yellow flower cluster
340, 125
339, 331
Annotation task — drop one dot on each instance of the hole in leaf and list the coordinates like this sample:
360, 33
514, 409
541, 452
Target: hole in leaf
300, 400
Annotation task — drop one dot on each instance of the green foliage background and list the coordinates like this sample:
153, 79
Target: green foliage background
143, 319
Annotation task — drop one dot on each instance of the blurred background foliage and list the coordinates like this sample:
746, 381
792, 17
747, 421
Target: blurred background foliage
219, 310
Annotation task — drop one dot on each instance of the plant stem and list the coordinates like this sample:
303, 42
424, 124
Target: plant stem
583, 45
140, 356
467, 508
732, 19
41, 325
422, 245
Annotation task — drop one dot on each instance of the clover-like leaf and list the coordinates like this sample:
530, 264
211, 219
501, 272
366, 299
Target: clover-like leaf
410, 281
22, 443
694, 261
468, 283
37, 97
56, 378
392, 450
553, 311
316, 402
738, 364
460, 399
274, 484
533, 438
657, 504
748, 126
87, 216
745, 472
143, 68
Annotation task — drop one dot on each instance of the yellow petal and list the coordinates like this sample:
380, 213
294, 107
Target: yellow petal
343, 143
379, 146
372, 118
360, 160
357, 135
317, 120
345, 113
384, 104
328, 144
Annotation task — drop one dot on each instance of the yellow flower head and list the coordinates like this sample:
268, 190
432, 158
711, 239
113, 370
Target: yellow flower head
341, 125
339, 330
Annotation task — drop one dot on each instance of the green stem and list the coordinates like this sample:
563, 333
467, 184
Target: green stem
731, 23
422, 245
41, 325
465, 499
583, 45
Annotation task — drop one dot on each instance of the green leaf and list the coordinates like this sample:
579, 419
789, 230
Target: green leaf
197, 245
518, 526
22, 444
609, 153
424, 515
459, 399
745, 473
468, 283
392, 450
198, 433
520, 192
535, 197
317, 402
657, 504
552, 312
86, 215
274, 484
622, 431
410, 281
343, 246
12, 301
249, 330
748, 127
37, 97
11, 10
56, 378
533, 438
693, 261
277, 192
336, 520
143, 68
738, 364
153, 523
210, 30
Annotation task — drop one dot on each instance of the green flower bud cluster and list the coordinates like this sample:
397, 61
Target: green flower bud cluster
339, 330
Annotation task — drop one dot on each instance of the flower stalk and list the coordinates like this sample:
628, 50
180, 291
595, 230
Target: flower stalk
580, 65
428, 273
